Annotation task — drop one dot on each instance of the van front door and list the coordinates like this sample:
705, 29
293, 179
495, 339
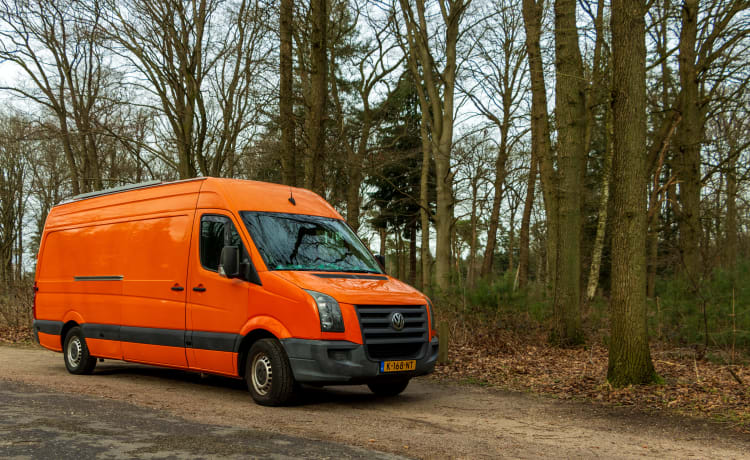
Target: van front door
216, 306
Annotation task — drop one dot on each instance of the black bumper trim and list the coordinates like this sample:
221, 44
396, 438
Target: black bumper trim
331, 362
48, 327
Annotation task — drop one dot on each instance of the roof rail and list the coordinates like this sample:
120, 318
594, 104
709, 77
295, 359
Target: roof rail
123, 188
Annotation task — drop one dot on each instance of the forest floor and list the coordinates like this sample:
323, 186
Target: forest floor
694, 383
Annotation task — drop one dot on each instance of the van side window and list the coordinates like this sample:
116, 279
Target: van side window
217, 232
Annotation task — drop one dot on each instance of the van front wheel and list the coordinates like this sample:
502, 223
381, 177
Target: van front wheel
76, 353
268, 374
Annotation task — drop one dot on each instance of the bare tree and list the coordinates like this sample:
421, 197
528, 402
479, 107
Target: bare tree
14, 170
436, 86
629, 355
498, 90
201, 61
63, 60
570, 114
373, 65
541, 148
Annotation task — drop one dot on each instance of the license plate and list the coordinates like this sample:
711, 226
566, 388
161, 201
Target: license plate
398, 366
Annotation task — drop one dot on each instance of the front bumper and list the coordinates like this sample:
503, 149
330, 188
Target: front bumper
331, 362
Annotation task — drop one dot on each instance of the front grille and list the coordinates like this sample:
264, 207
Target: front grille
382, 341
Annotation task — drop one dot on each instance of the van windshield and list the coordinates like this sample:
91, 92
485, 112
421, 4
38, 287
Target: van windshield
300, 242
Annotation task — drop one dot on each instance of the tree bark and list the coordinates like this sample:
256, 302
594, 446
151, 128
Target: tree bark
413, 252
473, 221
524, 240
512, 237
731, 245
318, 97
601, 225
286, 94
444, 214
383, 234
424, 210
570, 111
629, 355
540, 134
500, 174
689, 136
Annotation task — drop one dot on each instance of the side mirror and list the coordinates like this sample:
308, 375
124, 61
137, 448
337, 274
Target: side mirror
381, 260
229, 262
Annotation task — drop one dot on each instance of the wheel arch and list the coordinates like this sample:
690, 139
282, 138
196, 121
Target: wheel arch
247, 341
70, 324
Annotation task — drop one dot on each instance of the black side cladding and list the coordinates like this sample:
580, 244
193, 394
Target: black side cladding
202, 340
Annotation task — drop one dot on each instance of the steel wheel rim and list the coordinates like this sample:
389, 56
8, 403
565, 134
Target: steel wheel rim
262, 374
75, 350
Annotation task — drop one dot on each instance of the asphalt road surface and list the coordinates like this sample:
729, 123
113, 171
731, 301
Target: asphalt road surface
36, 423
128, 410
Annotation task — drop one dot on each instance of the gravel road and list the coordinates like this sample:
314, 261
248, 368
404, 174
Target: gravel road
169, 413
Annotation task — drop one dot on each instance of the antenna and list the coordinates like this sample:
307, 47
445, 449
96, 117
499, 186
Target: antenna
291, 196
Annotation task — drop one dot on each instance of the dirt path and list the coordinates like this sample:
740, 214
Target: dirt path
429, 420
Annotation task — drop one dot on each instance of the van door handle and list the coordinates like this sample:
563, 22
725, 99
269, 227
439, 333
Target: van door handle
199, 288
177, 288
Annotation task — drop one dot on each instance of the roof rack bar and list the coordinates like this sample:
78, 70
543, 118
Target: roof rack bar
109, 191
125, 188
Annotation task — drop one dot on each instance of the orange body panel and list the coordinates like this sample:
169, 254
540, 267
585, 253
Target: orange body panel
127, 265
104, 348
215, 362
50, 341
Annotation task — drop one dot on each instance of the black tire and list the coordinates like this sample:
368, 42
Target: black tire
268, 374
76, 353
392, 388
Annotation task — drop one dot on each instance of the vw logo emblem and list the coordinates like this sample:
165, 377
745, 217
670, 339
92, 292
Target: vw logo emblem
397, 321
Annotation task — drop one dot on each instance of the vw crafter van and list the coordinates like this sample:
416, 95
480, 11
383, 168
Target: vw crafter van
238, 278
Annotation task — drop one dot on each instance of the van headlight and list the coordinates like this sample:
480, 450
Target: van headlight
329, 311
432, 314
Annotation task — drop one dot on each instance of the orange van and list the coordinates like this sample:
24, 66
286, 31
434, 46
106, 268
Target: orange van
239, 278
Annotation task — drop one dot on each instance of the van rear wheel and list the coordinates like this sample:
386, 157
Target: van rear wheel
389, 388
268, 374
76, 353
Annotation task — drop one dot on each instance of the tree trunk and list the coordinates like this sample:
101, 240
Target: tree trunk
500, 174
286, 94
629, 355
523, 244
512, 237
731, 246
570, 110
424, 211
399, 250
652, 254
601, 225
318, 97
413, 253
471, 269
689, 134
383, 233
540, 134
444, 215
